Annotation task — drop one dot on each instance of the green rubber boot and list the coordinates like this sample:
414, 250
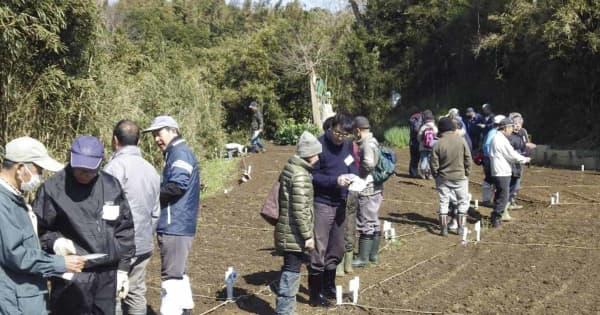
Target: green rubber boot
374, 255
348, 262
339, 270
365, 244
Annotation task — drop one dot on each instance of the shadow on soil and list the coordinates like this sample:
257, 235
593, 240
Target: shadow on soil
248, 302
412, 218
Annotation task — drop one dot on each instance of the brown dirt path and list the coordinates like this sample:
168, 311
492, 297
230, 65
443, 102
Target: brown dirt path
513, 271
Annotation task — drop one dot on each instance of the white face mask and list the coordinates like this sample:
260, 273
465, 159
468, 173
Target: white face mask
33, 182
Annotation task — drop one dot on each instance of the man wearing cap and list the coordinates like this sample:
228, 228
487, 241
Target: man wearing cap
450, 166
23, 264
369, 198
180, 202
257, 126
502, 154
83, 210
141, 185
487, 187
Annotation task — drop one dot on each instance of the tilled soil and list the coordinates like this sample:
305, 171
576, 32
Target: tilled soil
544, 262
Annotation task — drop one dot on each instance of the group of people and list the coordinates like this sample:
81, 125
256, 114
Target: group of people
89, 230
447, 150
321, 205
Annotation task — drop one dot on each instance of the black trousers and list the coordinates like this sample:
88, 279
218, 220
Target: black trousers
414, 159
89, 293
502, 193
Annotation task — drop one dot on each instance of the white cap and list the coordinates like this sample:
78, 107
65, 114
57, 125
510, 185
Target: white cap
498, 119
161, 122
29, 150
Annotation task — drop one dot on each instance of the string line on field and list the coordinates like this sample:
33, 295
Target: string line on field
234, 300
409, 269
537, 245
407, 201
237, 227
406, 310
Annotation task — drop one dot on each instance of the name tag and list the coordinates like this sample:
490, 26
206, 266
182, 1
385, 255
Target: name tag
348, 160
110, 212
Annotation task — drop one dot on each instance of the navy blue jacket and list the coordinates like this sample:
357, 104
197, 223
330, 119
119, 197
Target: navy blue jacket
179, 216
333, 161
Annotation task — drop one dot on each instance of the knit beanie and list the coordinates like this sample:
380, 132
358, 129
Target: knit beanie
308, 145
446, 124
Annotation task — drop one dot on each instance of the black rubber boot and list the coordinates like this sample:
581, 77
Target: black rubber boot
374, 254
365, 244
315, 286
329, 284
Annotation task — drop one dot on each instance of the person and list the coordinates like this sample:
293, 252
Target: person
427, 137
488, 120
461, 129
487, 187
294, 229
473, 120
83, 210
415, 122
141, 185
369, 198
23, 264
345, 267
519, 140
257, 126
502, 155
180, 203
450, 166
330, 179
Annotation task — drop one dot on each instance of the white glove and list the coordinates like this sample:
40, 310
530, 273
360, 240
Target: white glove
122, 284
309, 244
64, 247
527, 160
344, 180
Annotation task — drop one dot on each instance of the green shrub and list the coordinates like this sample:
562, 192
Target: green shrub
289, 131
397, 136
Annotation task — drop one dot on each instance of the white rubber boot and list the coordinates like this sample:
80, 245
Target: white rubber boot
187, 300
170, 299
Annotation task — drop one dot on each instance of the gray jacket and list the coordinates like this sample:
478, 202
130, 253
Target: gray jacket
141, 184
369, 157
23, 263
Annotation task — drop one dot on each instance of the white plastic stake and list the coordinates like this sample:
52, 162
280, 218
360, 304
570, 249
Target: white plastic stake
557, 197
387, 227
478, 231
583, 167
392, 233
338, 294
552, 200
464, 235
476, 204
230, 277
354, 286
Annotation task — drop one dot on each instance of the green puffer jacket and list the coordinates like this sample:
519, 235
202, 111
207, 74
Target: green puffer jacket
296, 219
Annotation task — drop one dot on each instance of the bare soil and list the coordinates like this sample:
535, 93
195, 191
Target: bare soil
544, 262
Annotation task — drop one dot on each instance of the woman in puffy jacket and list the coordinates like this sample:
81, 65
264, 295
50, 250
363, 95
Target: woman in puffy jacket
294, 229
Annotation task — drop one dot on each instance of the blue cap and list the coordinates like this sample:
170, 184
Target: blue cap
87, 152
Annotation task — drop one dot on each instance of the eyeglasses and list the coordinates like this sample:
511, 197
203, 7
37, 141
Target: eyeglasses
340, 134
